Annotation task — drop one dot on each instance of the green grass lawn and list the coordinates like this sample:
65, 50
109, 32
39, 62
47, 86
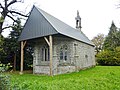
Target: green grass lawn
97, 78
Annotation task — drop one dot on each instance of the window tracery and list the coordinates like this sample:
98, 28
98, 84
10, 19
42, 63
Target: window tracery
45, 53
64, 52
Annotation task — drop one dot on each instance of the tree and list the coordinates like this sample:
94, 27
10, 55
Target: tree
2, 53
110, 55
98, 42
112, 39
5, 11
1, 42
11, 47
118, 38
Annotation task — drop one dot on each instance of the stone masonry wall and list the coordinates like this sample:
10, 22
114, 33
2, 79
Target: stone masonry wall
80, 55
84, 55
60, 66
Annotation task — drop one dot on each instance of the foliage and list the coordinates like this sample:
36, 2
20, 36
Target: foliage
28, 59
1, 19
118, 37
111, 53
98, 42
109, 57
2, 53
4, 67
113, 39
98, 78
4, 82
11, 48
4, 79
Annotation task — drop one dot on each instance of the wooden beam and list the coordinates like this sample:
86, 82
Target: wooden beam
22, 56
51, 56
47, 41
24, 43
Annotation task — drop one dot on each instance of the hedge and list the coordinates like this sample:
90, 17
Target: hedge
108, 57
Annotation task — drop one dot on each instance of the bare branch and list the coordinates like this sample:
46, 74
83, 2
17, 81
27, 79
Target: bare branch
11, 18
4, 11
6, 27
1, 6
12, 2
18, 13
28, 14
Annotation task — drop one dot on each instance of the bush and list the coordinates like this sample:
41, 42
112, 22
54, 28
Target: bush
108, 57
4, 82
6, 85
4, 67
4, 79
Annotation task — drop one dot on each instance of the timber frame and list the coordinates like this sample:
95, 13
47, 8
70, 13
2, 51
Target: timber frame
48, 41
23, 43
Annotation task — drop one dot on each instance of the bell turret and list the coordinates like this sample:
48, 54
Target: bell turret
78, 21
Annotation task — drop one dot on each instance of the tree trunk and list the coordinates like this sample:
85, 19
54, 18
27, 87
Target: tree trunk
14, 68
1, 23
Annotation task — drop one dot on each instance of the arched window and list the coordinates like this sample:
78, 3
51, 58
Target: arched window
45, 53
61, 55
64, 52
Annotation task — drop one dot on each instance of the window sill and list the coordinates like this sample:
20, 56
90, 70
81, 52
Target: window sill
42, 65
76, 56
64, 64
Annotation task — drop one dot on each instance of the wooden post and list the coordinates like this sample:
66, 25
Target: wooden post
22, 56
50, 40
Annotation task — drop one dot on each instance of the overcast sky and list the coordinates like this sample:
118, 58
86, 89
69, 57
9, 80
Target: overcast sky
96, 15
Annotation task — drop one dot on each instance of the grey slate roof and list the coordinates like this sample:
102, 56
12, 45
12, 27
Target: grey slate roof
41, 24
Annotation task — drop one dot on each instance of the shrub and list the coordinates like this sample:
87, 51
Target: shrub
4, 79
108, 57
4, 67
4, 82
